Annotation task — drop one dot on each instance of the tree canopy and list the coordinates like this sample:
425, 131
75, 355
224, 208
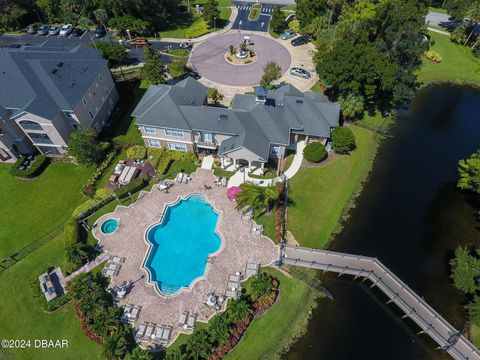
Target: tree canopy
465, 270
271, 72
211, 12
469, 171
84, 146
277, 20
152, 70
343, 140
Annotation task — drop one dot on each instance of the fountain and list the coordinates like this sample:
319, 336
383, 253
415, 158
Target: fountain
241, 56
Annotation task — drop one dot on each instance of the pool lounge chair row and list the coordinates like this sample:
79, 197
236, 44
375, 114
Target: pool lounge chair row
187, 320
116, 259
182, 178
113, 267
150, 332
130, 313
251, 269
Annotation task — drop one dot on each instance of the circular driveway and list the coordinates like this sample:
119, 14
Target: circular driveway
208, 59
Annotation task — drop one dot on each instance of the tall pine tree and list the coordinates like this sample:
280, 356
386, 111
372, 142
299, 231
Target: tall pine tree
153, 70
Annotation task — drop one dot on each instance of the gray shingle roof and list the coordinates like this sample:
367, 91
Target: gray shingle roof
253, 126
44, 80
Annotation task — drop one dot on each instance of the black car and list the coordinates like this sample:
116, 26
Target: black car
300, 40
192, 74
77, 32
100, 31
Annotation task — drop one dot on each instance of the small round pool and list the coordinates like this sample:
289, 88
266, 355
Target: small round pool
109, 226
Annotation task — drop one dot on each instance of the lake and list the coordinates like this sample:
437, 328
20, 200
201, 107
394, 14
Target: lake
412, 217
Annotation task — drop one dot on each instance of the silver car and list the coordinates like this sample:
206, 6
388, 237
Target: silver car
54, 30
43, 30
300, 72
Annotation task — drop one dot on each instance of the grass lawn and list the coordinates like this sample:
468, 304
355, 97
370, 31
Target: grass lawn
268, 223
220, 2
475, 334
177, 52
375, 121
22, 317
178, 166
220, 173
184, 24
31, 208
458, 64
317, 87
270, 334
437, 9
254, 14
292, 7
327, 190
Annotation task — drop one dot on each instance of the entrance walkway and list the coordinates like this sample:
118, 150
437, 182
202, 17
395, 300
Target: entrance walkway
207, 162
297, 161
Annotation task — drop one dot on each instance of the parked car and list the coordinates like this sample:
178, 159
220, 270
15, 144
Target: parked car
77, 32
43, 29
66, 30
100, 31
300, 40
185, 45
298, 71
32, 28
54, 30
288, 34
192, 74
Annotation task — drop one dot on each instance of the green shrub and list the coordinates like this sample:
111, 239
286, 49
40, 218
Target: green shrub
71, 231
154, 155
132, 187
137, 152
114, 53
315, 152
169, 156
89, 187
39, 164
294, 25
434, 56
198, 29
50, 305
343, 140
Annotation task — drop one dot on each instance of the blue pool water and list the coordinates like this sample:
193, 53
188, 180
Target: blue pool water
109, 226
181, 244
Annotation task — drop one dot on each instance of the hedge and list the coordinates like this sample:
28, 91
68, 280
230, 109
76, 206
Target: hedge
343, 140
89, 187
170, 156
315, 152
137, 152
71, 231
154, 156
132, 187
37, 166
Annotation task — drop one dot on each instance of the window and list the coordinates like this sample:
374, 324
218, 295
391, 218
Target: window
100, 77
149, 130
38, 138
208, 137
177, 146
154, 143
30, 125
106, 90
84, 101
70, 115
275, 150
174, 133
98, 127
90, 113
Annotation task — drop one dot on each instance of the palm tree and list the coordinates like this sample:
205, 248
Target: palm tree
254, 197
219, 330
115, 347
177, 353
261, 285
140, 354
76, 253
238, 310
198, 345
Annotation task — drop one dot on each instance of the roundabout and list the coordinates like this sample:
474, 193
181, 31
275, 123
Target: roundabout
211, 59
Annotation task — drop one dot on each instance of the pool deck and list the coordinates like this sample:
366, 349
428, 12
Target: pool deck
239, 246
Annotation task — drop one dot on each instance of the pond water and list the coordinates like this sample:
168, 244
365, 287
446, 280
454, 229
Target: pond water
411, 216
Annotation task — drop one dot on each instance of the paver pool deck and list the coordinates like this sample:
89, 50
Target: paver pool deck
239, 246
208, 58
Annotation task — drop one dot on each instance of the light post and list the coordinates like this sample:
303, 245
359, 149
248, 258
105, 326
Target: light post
128, 33
240, 26
214, 23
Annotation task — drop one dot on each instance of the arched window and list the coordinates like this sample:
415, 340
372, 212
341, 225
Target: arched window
30, 125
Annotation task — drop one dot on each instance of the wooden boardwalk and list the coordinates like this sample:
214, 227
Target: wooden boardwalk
432, 323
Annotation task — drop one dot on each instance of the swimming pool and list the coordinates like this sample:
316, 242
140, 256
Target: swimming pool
109, 226
181, 244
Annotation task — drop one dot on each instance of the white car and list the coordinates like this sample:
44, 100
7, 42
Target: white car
66, 30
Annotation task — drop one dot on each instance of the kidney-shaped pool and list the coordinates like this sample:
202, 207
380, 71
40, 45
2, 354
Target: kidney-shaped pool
181, 244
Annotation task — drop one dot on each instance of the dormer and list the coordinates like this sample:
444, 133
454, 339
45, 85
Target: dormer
261, 95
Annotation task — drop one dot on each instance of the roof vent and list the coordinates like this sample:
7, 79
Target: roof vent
60, 64
54, 71
223, 117
193, 100
261, 94
299, 101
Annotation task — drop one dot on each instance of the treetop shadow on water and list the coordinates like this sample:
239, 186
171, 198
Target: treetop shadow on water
412, 217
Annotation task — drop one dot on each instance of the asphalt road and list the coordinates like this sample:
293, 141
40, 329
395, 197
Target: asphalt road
243, 23
437, 19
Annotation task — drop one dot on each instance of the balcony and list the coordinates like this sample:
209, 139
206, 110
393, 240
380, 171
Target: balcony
206, 144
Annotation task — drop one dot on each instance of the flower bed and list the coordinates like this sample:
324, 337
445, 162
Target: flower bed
33, 169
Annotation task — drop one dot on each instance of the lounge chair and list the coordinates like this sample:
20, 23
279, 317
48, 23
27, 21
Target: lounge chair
134, 314
236, 278
110, 272
185, 179
149, 331
224, 181
252, 269
116, 259
167, 330
183, 318
191, 320
179, 177
112, 266
126, 313
231, 293
140, 331
233, 285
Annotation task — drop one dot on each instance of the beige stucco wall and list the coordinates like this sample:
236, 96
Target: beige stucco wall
160, 135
